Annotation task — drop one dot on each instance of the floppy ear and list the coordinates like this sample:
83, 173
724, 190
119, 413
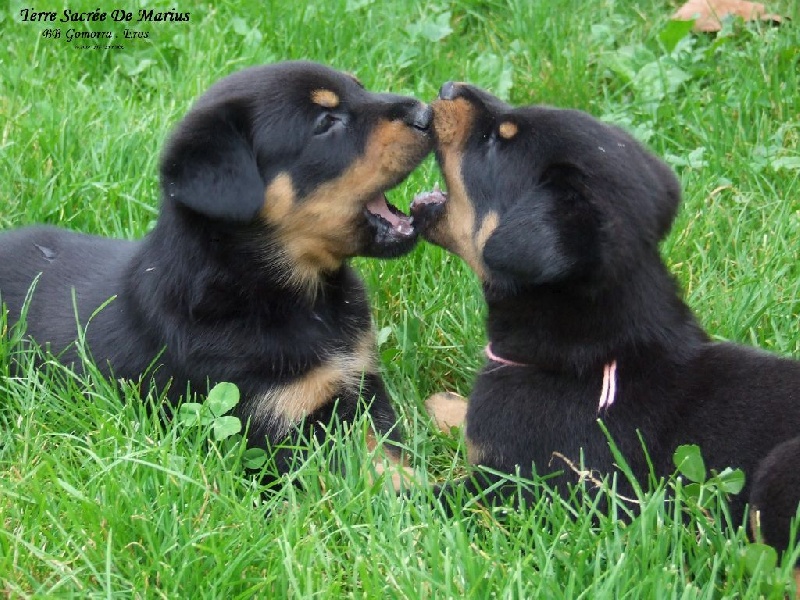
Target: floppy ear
667, 196
209, 165
549, 235
526, 248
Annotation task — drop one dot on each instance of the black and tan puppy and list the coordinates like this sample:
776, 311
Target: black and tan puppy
561, 216
269, 184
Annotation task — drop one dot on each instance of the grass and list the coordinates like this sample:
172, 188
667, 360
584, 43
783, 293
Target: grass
98, 498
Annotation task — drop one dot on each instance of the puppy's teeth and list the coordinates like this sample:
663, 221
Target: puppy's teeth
404, 228
436, 186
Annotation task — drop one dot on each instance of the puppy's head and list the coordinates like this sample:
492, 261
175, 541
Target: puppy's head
302, 155
537, 195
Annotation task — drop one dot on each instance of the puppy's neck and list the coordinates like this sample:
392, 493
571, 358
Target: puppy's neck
578, 329
216, 263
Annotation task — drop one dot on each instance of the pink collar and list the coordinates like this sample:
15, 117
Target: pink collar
607, 395
503, 361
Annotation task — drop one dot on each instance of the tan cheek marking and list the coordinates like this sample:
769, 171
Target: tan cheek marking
453, 120
285, 405
447, 410
325, 98
279, 198
488, 225
318, 233
508, 130
396, 147
455, 230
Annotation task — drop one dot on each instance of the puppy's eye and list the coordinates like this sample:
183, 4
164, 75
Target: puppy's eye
325, 122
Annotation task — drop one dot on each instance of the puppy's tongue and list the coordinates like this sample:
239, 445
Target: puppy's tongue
380, 207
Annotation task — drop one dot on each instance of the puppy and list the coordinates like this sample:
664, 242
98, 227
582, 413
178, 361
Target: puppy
560, 216
269, 184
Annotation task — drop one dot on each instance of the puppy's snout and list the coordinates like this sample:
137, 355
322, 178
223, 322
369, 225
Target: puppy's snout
420, 117
449, 90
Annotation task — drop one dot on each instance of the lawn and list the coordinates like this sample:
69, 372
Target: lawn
100, 499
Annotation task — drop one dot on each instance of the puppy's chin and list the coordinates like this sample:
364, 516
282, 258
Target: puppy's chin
385, 232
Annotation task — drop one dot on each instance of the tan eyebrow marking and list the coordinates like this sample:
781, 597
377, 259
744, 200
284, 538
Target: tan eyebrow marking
325, 98
507, 130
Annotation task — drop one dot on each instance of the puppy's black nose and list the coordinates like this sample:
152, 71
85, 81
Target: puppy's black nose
421, 117
449, 91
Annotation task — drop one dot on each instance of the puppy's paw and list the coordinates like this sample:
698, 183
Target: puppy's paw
398, 474
447, 410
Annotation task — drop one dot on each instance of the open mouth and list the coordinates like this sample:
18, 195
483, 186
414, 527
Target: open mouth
425, 208
380, 213
390, 233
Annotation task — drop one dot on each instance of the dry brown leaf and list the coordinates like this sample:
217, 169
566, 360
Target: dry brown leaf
709, 13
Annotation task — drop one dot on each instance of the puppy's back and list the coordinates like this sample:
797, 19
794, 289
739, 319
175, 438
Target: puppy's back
76, 273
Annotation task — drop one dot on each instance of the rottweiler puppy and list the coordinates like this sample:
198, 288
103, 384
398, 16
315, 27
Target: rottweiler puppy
275, 177
560, 216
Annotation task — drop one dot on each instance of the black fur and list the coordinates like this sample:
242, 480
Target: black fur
211, 291
776, 493
573, 281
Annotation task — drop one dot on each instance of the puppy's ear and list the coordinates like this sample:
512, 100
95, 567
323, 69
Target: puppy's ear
209, 164
526, 249
549, 235
667, 197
